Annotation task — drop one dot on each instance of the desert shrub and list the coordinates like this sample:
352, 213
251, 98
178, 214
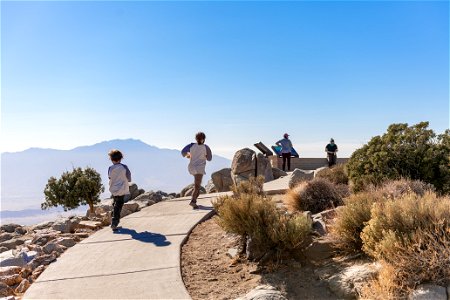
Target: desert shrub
251, 214
290, 231
350, 221
411, 235
316, 195
413, 152
397, 220
253, 186
343, 190
336, 174
396, 188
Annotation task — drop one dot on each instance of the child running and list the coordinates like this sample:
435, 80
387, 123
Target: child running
119, 176
198, 153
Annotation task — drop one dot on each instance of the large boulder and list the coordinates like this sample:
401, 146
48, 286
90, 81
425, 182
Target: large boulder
263, 292
9, 227
5, 290
263, 167
23, 286
129, 208
319, 250
65, 225
151, 197
244, 165
210, 187
348, 283
9, 258
189, 190
429, 292
134, 191
13, 243
11, 270
222, 180
278, 173
300, 175
5, 236
42, 226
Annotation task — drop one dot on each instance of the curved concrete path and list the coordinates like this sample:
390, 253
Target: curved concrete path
140, 261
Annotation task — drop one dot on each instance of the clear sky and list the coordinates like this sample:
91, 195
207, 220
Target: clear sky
77, 73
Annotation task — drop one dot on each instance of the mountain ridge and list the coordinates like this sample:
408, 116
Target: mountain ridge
25, 173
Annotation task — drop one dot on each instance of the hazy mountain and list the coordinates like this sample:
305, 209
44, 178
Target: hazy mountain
25, 174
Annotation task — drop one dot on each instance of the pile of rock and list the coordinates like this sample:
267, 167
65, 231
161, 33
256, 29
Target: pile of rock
25, 251
246, 163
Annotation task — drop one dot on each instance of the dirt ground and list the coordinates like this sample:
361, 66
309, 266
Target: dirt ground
209, 273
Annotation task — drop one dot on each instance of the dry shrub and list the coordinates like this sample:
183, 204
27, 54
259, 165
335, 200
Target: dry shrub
412, 236
291, 231
336, 174
384, 287
251, 214
395, 221
351, 219
397, 188
253, 186
343, 190
316, 195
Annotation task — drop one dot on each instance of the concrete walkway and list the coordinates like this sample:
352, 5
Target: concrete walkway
140, 261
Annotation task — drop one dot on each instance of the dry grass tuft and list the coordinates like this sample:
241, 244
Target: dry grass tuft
396, 188
350, 221
249, 213
336, 174
316, 195
411, 236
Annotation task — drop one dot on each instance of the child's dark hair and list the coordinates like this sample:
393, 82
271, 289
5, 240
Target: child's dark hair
115, 155
200, 137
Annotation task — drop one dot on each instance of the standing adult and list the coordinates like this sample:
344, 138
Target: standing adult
198, 153
331, 150
286, 149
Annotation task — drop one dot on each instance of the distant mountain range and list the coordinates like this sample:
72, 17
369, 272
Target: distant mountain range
25, 174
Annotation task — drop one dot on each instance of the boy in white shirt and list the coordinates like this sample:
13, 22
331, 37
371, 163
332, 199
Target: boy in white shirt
198, 153
119, 176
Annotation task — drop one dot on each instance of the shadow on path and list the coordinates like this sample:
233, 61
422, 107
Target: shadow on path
201, 207
146, 237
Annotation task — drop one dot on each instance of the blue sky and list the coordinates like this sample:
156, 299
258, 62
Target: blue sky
77, 73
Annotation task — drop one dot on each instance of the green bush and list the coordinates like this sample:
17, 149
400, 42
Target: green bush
413, 152
251, 214
316, 195
336, 174
411, 236
75, 188
350, 221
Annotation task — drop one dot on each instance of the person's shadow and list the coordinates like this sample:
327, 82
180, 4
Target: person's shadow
146, 237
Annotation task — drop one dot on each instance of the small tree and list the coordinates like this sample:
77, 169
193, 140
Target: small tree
413, 152
75, 188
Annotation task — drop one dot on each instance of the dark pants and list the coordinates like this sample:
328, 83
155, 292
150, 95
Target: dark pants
197, 184
331, 159
117, 208
286, 157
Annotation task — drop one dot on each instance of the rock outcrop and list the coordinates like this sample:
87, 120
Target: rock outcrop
222, 180
263, 292
189, 190
298, 176
246, 163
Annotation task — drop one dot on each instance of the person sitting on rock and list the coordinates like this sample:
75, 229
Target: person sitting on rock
119, 176
331, 150
286, 149
198, 153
